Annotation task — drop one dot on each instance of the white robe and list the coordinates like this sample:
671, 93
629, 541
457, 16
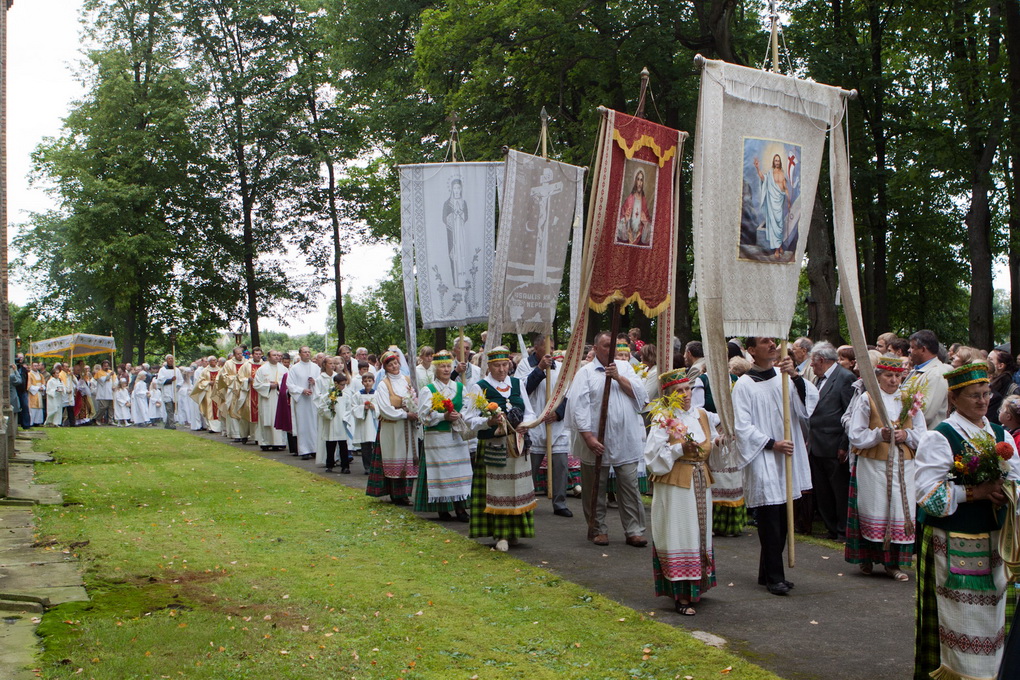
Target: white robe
140, 403
331, 426
266, 434
365, 420
758, 417
398, 437
560, 434
305, 421
157, 410
54, 401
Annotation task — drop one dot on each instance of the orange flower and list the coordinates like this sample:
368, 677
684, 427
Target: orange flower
1004, 450
493, 406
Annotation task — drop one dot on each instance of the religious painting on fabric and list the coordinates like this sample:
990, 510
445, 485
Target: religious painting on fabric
770, 201
633, 215
448, 223
541, 202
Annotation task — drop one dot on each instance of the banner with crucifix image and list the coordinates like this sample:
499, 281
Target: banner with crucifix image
448, 229
541, 203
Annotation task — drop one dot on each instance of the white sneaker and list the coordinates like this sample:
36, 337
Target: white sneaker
502, 545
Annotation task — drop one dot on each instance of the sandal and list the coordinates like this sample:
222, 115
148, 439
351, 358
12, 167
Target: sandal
898, 575
684, 609
866, 568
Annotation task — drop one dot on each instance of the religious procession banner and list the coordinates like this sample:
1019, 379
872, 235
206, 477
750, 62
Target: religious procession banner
448, 229
542, 201
757, 157
630, 247
77, 344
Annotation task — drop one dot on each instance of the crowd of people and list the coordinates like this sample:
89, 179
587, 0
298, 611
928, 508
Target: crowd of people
456, 433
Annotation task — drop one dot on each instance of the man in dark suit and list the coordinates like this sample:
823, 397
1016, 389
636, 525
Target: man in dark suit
828, 447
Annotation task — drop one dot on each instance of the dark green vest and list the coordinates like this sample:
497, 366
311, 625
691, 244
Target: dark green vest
977, 516
709, 401
494, 395
458, 404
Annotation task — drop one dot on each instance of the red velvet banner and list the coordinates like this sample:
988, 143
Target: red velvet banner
633, 224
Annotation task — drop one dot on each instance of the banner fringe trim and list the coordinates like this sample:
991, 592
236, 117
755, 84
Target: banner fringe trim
642, 142
618, 296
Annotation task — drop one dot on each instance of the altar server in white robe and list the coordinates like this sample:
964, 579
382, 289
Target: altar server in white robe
364, 418
140, 401
122, 403
323, 386
761, 450
267, 383
301, 386
157, 406
333, 408
55, 398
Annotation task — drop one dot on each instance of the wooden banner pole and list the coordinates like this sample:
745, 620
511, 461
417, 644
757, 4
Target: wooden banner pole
787, 436
616, 311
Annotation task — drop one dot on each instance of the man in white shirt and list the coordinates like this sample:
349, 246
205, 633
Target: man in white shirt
928, 374
105, 378
623, 443
170, 381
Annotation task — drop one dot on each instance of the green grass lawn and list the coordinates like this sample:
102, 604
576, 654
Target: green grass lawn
205, 561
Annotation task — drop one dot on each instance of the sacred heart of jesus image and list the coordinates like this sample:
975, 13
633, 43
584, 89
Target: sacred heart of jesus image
770, 201
637, 204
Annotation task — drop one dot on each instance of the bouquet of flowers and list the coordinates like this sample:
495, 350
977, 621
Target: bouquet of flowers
912, 402
488, 409
663, 411
982, 460
331, 399
441, 404
642, 371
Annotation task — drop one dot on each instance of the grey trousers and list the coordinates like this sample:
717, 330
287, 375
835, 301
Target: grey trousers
104, 411
558, 475
632, 510
169, 423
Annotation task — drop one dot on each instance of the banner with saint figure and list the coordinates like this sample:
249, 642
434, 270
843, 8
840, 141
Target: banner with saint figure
448, 229
633, 221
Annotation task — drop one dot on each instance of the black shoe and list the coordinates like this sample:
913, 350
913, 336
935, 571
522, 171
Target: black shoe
345, 471
789, 584
306, 456
401, 501
778, 588
264, 448
237, 440
445, 516
463, 516
563, 512
330, 471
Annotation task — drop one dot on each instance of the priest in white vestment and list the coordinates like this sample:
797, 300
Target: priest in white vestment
55, 398
301, 387
140, 400
267, 384
761, 449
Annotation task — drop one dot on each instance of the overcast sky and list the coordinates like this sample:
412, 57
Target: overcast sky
43, 48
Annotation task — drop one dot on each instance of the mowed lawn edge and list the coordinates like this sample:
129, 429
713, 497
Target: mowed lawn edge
204, 561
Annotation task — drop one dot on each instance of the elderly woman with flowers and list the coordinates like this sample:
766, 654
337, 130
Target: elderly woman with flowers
676, 453
502, 490
444, 475
966, 469
880, 523
393, 466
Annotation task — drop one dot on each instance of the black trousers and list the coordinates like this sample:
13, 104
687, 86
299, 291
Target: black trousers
366, 453
69, 413
331, 450
830, 480
291, 443
772, 536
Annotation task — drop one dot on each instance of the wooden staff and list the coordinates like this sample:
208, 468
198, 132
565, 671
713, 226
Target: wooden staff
548, 342
616, 311
790, 541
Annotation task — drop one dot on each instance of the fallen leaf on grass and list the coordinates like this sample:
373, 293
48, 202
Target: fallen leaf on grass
577, 644
621, 619
814, 623
727, 669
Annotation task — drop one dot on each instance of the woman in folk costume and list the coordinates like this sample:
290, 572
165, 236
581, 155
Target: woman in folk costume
676, 452
961, 580
394, 464
444, 474
122, 402
882, 475
502, 490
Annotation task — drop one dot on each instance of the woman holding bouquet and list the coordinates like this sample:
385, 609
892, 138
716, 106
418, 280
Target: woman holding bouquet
882, 474
502, 490
965, 468
394, 464
676, 453
444, 473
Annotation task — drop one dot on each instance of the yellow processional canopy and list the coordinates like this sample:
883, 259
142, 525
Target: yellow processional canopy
74, 345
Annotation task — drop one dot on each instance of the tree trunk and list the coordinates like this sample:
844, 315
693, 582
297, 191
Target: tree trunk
880, 227
247, 233
130, 328
979, 242
1011, 9
823, 317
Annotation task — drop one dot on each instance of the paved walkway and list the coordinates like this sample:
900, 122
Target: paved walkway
837, 624
33, 575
